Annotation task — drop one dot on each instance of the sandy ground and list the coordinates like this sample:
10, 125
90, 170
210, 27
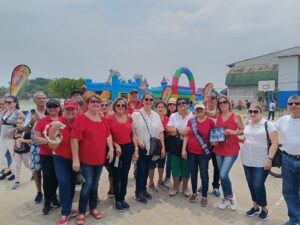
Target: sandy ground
17, 206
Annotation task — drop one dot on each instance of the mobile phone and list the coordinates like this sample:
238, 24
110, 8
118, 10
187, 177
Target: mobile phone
32, 111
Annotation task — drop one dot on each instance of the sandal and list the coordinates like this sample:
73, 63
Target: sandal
80, 219
96, 214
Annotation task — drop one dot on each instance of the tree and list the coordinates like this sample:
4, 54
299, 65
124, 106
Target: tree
32, 86
3, 91
62, 87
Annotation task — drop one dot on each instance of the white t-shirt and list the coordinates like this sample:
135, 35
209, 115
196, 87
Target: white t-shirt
290, 130
254, 152
154, 123
272, 106
178, 122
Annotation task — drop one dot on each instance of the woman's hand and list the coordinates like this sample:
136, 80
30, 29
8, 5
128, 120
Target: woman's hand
268, 164
140, 144
163, 153
184, 131
136, 155
184, 154
110, 155
118, 150
230, 132
76, 165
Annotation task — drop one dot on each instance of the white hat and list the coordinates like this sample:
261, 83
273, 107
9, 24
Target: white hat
199, 105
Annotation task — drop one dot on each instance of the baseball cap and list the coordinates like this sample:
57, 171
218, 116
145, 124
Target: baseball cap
172, 101
199, 105
70, 104
76, 91
134, 91
52, 102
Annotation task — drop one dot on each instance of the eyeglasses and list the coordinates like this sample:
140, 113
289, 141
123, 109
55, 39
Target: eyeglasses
223, 102
52, 106
8, 102
255, 111
149, 99
120, 105
171, 104
293, 103
199, 110
102, 105
181, 103
94, 102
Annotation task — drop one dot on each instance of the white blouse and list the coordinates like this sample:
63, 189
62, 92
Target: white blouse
255, 149
179, 122
154, 123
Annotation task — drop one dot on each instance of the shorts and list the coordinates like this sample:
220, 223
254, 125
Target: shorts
159, 163
180, 167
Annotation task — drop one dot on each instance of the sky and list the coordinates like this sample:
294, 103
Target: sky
86, 38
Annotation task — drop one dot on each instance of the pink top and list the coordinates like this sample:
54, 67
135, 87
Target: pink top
231, 146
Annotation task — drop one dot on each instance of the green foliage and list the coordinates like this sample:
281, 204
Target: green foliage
3, 91
32, 86
62, 87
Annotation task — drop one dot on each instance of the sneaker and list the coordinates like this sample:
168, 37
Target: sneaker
119, 206
11, 177
173, 193
263, 215
4, 175
203, 202
216, 192
253, 211
63, 220
233, 203
153, 188
125, 205
141, 198
15, 186
194, 198
224, 203
74, 212
46, 210
163, 185
186, 193
200, 189
55, 203
38, 198
110, 193
147, 195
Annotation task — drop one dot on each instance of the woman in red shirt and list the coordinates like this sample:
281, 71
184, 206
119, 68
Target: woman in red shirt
59, 140
89, 137
48, 171
227, 152
121, 130
197, 153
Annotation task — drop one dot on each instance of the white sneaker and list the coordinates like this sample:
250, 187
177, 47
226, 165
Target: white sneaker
224, 203
233, 203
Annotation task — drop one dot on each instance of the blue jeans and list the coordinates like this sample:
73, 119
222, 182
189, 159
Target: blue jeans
66, 178
120, 173
142, 173
256, 177
89, 189
291, 186
225, 164
199, 161
8, 158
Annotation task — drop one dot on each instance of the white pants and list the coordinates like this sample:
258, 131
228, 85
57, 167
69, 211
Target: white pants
6, 144
19, 158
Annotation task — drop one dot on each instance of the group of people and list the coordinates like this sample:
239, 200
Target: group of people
86, 133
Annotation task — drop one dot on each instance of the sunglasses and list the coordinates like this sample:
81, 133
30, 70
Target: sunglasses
52, 106
255, 111
293, 103
171, 104
223, 102
7, 102
120, 105
94, 102
181, 103
199, 110
149, 99
102, 105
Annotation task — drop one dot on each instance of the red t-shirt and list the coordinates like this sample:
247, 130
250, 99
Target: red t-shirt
193, 144
92, 139
64, 148
120, 132
40, 127
130, 110
231, 146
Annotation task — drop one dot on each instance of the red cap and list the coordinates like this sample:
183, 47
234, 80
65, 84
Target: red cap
70, 104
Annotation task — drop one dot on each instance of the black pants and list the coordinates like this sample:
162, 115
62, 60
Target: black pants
120, 173
271, 113
142, 173
216, 180
49, 179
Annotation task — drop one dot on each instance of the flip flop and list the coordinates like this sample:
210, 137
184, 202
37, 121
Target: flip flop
80, 219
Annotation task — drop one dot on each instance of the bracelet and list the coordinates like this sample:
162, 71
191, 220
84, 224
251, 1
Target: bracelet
136, 148
270, 158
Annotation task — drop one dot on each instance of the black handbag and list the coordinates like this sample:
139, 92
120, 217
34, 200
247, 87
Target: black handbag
175, 145
276, 162
155, 145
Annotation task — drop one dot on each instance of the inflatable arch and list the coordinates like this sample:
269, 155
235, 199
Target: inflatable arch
175, 80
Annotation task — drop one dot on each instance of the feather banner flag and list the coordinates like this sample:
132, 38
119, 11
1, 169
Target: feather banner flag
19, 77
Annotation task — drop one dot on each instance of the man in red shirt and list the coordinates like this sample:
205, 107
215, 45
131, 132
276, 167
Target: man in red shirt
134, 104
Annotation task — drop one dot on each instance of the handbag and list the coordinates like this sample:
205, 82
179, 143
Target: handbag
276, 162
155, 145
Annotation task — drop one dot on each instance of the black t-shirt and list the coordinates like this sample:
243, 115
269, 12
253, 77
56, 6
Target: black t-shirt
23, 148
